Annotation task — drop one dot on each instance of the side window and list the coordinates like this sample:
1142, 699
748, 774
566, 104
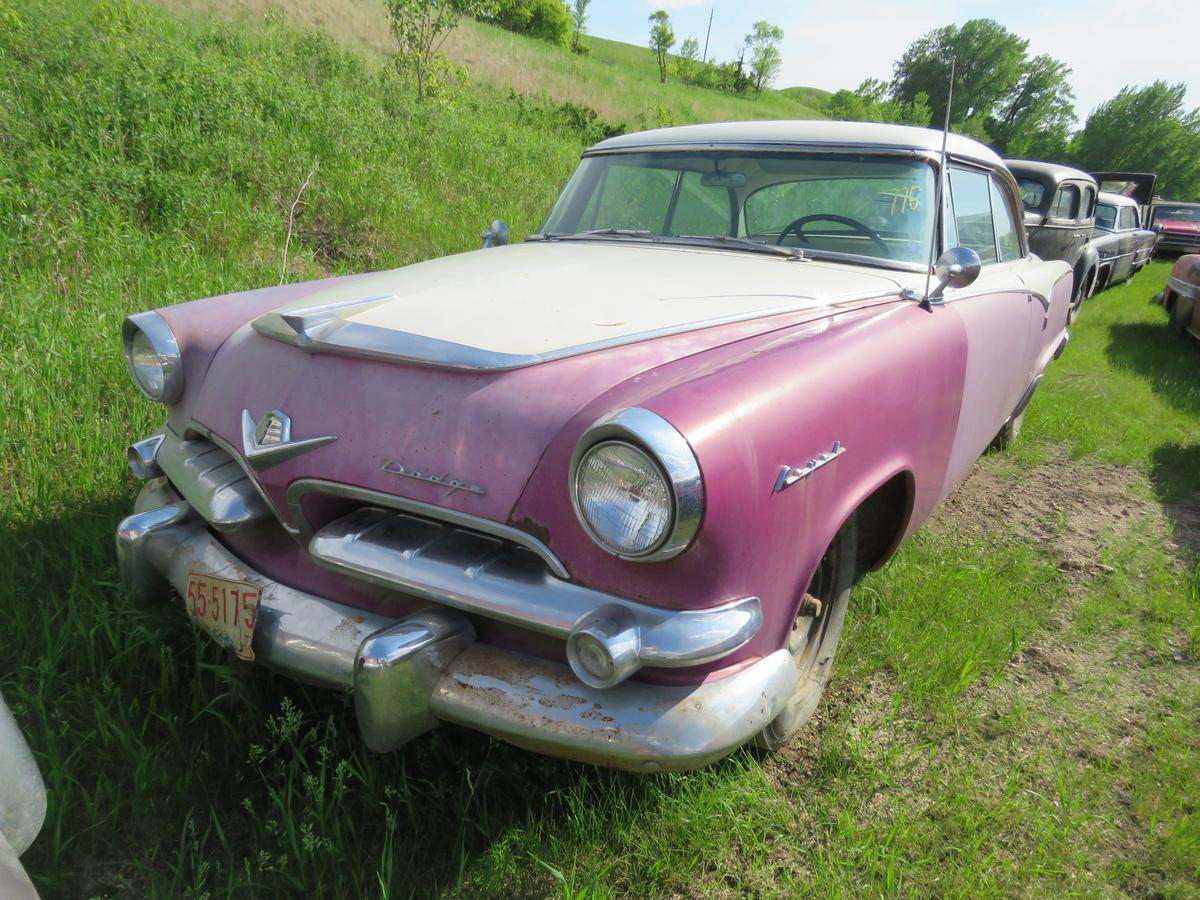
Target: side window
1032, 193
1066, 204
633, 197
1006, 228
1085, 205
1126, 218
700, 210
1106, 216
973, 213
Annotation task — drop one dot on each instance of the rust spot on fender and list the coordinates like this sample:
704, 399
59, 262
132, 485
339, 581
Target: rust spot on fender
533, 527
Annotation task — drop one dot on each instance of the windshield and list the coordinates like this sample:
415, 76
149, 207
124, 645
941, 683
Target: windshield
1179, 213
870, 206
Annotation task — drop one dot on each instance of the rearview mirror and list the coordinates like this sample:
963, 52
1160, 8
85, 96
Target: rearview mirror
958, 267
723, 179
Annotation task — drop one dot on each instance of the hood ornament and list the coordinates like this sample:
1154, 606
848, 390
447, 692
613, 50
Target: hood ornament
396, 467
269, 441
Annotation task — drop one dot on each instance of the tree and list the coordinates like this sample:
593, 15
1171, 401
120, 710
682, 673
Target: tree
687, 64
420, 27
989, 61
1034, 119
662, 39
579, 16
765, 58
1145, 130
870, 102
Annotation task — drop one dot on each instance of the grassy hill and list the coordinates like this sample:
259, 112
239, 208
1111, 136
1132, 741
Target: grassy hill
620, 81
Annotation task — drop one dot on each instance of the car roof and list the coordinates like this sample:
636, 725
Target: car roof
1054, 171
1115, 199
811, 132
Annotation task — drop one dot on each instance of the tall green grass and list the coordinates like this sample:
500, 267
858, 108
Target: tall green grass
147, 158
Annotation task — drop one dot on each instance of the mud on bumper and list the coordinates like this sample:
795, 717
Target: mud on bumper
407, 675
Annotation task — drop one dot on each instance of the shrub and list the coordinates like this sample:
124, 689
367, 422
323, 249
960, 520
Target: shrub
546, 20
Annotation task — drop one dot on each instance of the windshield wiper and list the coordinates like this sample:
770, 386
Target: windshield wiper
595, 232
739, 243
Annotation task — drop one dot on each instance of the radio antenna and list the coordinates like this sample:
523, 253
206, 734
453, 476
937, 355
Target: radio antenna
940, 191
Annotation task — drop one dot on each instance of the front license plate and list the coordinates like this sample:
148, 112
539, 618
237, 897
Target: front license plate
225, 609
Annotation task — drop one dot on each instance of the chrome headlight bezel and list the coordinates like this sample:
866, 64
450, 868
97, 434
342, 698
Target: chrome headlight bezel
162, 341
669, 450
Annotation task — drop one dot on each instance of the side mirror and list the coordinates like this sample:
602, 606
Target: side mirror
1033, 219
497, 235
958, 267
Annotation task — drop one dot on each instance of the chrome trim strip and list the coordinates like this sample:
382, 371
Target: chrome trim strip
475, 574
789, 476
212, 480
674, 455
1184, 288
300, 488
325, 333
642, 727
162, 339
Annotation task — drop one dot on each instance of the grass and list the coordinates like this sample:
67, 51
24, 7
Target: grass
619, 81
998, 724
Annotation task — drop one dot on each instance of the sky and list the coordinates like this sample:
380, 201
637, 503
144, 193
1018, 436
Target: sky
1107, 43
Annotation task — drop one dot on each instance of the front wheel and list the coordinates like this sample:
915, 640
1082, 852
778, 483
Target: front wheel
815, 635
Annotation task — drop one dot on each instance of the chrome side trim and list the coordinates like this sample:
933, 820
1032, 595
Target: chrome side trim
319, 330
1184, 288
162, 339
645, 728
481, 575
789, 476
212, 480
653, 433
301, 488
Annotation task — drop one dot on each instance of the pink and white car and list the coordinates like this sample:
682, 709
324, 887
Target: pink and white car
602, 494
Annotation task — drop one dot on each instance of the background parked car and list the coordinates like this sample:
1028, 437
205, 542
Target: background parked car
1060, 205
1181, 296
1178, 226
1119, 239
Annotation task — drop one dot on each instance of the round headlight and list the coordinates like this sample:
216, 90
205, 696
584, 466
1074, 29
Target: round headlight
623, 498
153, 357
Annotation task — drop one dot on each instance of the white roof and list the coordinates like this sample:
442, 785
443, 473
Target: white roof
807, 132
1115, 199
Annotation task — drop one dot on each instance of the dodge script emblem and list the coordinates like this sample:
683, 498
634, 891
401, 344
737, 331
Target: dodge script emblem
398, 468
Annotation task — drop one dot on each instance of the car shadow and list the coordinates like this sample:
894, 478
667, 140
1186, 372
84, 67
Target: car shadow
141, 724
1175, 476
1169, 362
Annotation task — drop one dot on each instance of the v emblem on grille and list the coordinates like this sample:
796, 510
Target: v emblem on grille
268, 442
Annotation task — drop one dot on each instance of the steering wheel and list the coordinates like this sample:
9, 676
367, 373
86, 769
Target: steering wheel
798, 227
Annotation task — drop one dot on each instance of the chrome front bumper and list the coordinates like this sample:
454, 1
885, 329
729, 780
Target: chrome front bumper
408, 675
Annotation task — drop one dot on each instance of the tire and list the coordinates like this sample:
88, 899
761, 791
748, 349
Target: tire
1008, 433
814, 638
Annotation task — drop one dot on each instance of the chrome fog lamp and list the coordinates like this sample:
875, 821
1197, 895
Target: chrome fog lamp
636, 487
604, 647
153, 357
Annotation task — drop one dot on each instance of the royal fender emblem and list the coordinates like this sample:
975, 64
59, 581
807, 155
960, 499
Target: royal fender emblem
396, 467
789, 476
269, 441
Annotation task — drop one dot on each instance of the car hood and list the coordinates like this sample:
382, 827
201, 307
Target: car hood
489, 426
530, 303
1184, 225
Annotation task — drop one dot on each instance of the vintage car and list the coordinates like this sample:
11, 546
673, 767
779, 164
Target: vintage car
601, 494
1060, 204
1121, 243
1177, 226
1181, 296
